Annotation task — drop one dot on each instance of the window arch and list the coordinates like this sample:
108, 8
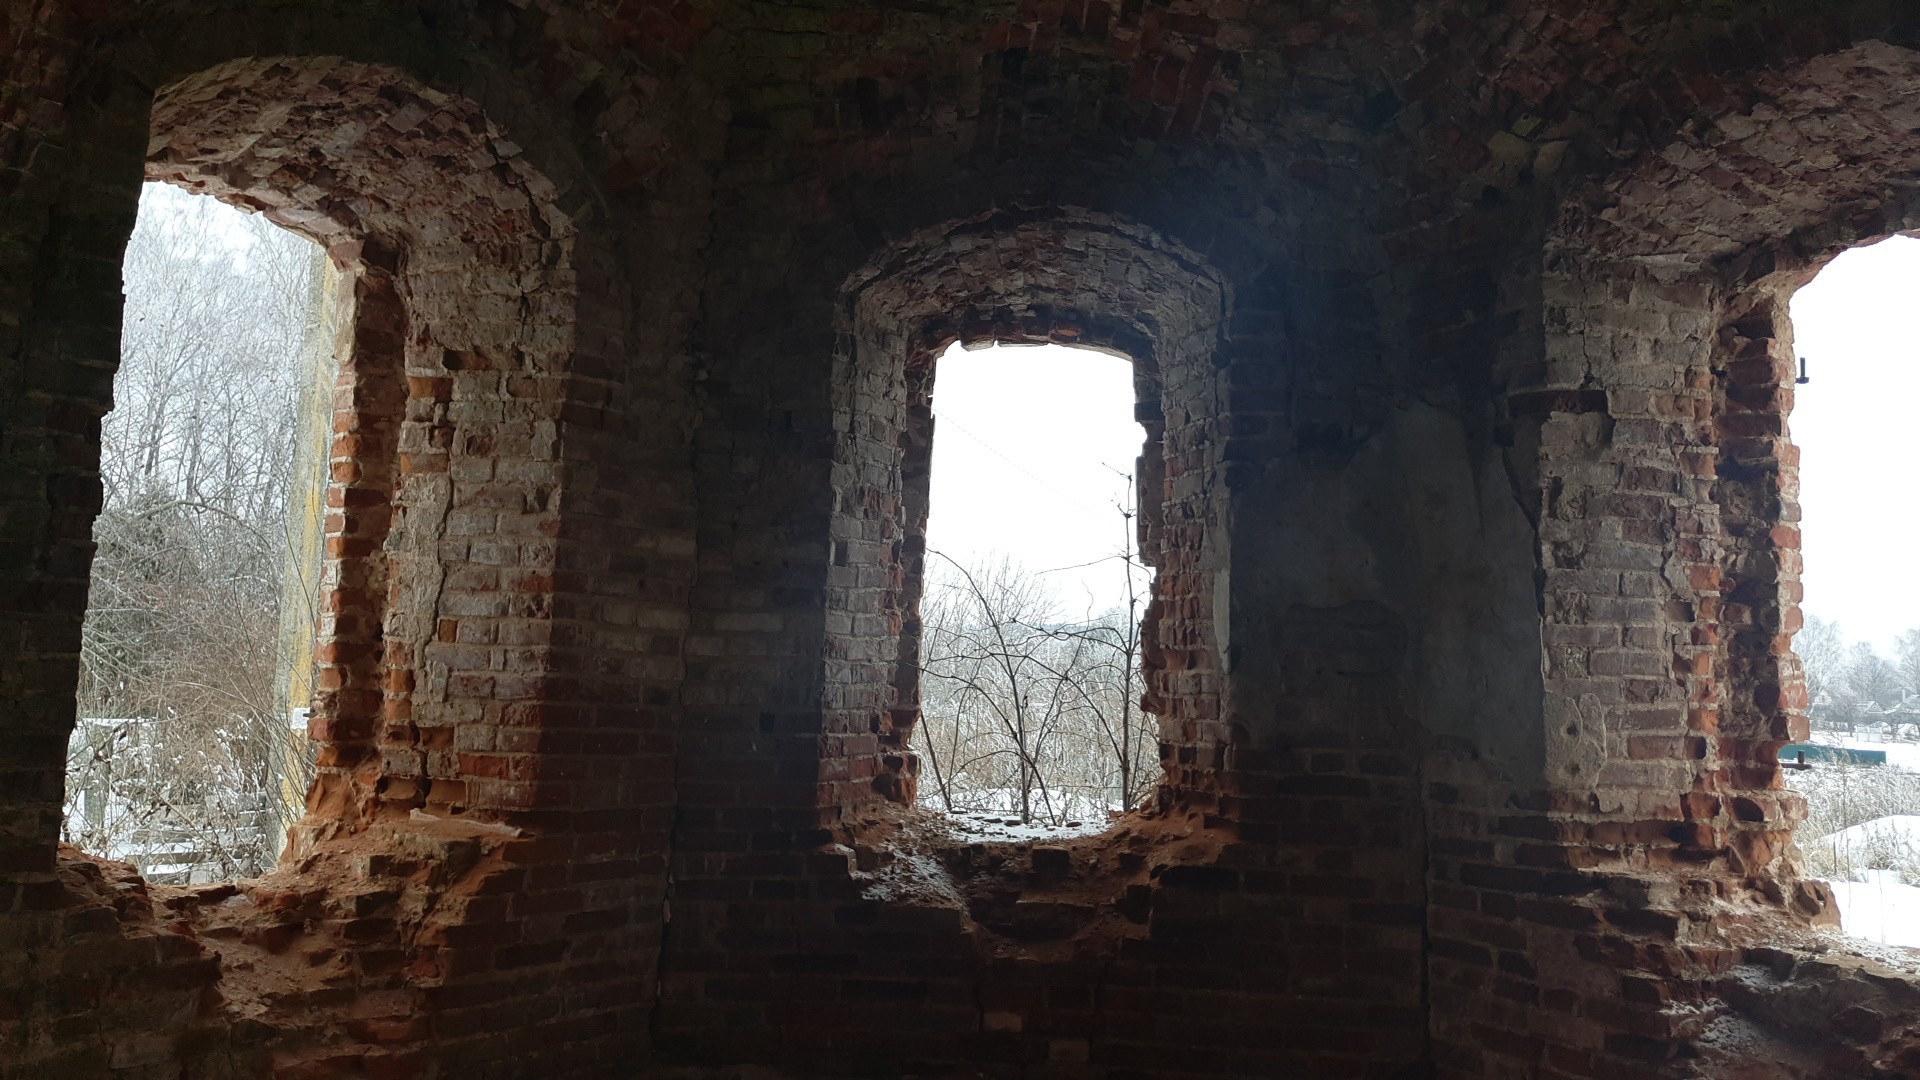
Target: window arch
445, 418
1076, 278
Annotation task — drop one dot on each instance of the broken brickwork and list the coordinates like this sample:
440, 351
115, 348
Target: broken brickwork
1021, 278
1460, 340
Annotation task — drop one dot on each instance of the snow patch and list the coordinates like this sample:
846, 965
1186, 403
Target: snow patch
1879, 908
989, 826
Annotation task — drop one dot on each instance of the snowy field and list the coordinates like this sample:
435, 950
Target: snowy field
1896, 832
1879, 909
1876, 905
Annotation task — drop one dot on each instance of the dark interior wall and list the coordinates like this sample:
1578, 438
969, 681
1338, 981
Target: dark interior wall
1266, 841
1470, 648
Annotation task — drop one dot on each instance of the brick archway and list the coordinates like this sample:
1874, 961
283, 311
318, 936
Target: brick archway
445, 460
1673, 358
1655, 860
1068, 277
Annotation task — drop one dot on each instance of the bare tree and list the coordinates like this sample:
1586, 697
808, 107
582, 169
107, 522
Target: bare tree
1027, 713
1907, 660
1849, 685
1873, 677
182, 759
985, 674
1822, 648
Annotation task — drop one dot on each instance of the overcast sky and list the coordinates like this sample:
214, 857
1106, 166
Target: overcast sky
172, 210
1859, 440
1032, 451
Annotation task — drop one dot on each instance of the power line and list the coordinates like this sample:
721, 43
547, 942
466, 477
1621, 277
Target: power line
943, 420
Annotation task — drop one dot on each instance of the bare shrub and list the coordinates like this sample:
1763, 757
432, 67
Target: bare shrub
1025, 712
1848, 830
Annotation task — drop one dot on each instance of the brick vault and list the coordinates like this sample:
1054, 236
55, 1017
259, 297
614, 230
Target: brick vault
1460, 339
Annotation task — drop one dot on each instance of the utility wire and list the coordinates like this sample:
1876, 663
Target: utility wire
943, 420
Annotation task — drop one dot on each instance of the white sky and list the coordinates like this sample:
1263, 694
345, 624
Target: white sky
175, 210
1032, 451
1859, 443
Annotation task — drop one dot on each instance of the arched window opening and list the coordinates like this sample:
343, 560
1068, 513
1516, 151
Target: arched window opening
190, 755
1070, 278
1030, 651
1860, 644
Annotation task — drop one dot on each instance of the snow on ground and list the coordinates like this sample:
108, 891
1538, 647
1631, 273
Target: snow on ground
992, 815
997, 826
1880, 908
1876, 905
1889, 831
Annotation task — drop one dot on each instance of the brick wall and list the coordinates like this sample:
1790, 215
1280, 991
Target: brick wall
1460, 342
1076, 279
1612, 921
495, 750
